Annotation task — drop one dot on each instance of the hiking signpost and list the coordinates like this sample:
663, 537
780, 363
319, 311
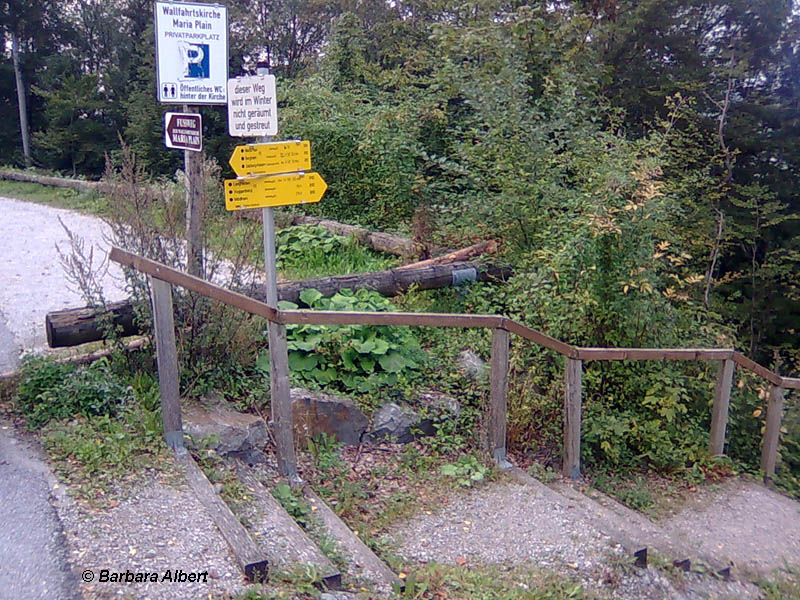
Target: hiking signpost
270, 174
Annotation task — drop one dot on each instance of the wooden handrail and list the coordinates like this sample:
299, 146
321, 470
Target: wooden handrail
501, 326
205, 288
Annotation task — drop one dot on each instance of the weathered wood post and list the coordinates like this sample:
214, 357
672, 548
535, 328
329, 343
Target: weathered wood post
498, 398
571, 466
719, 415
769, 452
167, 360
195, 207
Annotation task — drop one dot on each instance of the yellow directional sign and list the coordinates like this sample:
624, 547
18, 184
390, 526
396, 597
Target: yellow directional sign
275, 190
271, 158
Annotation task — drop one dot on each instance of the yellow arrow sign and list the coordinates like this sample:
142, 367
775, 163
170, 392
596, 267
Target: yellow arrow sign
276, 190
272, 158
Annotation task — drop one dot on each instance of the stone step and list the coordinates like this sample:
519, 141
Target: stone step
283, 541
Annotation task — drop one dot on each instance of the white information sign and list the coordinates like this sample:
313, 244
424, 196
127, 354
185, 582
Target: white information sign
191, 52
252, 106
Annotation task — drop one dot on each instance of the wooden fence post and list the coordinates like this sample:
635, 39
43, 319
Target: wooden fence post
167, 360
571, 466
498, 403
719, 415
769, 452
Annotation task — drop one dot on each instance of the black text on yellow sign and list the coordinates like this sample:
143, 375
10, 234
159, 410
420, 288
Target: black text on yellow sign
274, 190
271, 158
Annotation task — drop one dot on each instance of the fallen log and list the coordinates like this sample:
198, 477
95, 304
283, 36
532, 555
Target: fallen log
377, 240
75, 184
73, 326
487, 247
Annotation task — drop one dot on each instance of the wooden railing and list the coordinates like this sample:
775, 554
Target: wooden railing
501, 328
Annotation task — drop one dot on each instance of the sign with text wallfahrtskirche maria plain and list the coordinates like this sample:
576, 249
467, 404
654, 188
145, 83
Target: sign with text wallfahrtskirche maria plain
191, 52
183, 131
273, 190
271, 158
252, 106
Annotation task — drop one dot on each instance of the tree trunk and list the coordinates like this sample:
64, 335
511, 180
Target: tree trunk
74, 326
21, 100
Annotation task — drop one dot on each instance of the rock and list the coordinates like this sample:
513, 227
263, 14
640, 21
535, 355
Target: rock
338, 596
439, 404
316, 413
403, 424
226, 431
399, 424
472, 364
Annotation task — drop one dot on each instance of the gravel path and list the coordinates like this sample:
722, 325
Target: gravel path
161, 531
510, 523
744, 522
33, 282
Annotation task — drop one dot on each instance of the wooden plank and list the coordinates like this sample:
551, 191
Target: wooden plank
654, 353
193, 284
572, 419
167, 360
335, 317
791, 383
372, 567
719, 415
769, 451
280, 538
498, 402
539, 338
756, 368
251, 559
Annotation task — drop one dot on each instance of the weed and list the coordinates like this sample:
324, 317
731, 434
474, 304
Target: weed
467, 471
293, 503
542, 473
48, 390
482, 582
97, 454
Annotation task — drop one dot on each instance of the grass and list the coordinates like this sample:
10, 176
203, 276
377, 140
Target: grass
488, 582
84, 202
99, 456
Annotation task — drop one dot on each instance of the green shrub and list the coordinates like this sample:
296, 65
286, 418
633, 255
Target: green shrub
309, 251
360, 358
50, 390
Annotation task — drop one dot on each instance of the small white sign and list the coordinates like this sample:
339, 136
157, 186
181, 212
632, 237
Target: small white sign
252, 106
191, 52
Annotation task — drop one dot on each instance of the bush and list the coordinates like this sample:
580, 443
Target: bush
49, 390
359, 358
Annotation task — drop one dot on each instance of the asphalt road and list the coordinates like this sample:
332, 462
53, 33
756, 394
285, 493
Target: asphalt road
33, 554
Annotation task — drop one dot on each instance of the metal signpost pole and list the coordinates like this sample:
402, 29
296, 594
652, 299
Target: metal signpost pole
280, 400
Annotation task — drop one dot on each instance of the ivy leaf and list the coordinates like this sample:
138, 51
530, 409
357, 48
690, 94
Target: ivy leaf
286, 305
